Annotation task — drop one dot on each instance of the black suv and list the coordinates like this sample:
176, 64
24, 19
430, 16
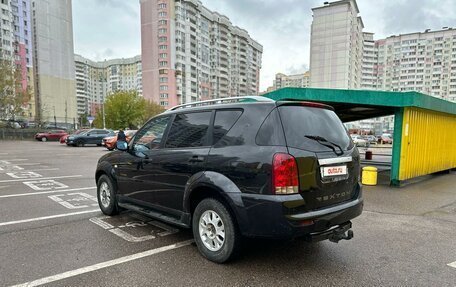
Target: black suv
237, 167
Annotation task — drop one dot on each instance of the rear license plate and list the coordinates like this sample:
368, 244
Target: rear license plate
334, 170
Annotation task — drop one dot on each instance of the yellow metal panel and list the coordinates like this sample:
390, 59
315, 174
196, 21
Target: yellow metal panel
428, 143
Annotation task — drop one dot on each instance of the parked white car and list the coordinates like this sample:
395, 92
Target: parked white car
358, 140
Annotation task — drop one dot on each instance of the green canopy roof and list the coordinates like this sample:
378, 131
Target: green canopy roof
362, 104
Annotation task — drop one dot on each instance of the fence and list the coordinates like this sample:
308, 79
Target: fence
18, 134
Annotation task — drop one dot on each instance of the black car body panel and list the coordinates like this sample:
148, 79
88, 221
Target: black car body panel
233, 161
93, 136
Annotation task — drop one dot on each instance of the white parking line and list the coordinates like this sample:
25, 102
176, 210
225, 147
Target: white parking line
46, 192
105, 264
43, 178
47, 217
453, 264
16, 159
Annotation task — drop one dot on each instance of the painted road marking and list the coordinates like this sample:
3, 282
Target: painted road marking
10, 168
45, 184
46, 192
452, 264
14, 159
47, 217
4, 162
75, 200
137, 230
103, 265
24, 174
53, 177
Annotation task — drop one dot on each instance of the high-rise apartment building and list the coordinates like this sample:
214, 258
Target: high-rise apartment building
6, 31
96, 80
15, 42
190, 53
369, 63
296, 81
423, 62
53, 58
336, 46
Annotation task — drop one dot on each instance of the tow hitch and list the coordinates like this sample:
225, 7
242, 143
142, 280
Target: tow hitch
342, 232
338, 236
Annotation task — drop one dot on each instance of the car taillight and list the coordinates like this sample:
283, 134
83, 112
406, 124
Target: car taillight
284, 174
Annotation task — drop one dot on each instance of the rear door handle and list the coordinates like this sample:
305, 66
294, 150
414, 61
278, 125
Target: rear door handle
196, 158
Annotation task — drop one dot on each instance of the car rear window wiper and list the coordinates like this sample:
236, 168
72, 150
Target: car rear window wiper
323, 141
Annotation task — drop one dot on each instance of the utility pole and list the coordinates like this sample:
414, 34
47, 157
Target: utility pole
103, 112
66, 114
55, 119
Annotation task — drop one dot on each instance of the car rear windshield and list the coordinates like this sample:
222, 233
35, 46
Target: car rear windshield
312, 128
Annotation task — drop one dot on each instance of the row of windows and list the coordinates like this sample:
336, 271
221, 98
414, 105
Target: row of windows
187, 130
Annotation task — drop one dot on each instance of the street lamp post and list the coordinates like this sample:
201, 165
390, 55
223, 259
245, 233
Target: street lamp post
55, 119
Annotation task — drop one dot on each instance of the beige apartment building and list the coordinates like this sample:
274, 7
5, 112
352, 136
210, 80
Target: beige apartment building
422, 61
336, 46
191, 53
53, 58
95, 80
297, 80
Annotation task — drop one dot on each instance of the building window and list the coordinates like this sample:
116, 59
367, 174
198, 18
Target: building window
162, 22
163, 63
163, 55
163, 88
163, 96
162, 6
163, 72
162, 31
163, 47
163, 79
162, 14
162, 39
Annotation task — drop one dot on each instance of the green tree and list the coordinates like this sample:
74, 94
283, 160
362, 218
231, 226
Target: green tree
126, 109
12, 97
152, 109
123, 109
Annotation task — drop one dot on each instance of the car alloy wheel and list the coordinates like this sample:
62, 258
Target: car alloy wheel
80, 143
212, 230
106, 190
44, 139
215, 230
105, 194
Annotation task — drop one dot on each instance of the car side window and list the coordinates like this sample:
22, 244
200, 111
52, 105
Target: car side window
150, 136
224, 121
189, 130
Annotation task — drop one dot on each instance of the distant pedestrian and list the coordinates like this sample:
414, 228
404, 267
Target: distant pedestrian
121, 136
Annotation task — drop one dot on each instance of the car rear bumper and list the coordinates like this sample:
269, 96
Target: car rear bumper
273, 216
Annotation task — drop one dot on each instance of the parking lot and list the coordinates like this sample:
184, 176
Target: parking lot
52, 233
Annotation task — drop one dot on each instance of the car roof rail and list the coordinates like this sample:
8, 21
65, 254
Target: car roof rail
222, 101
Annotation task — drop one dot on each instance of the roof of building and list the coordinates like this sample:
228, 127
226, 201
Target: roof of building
353, 105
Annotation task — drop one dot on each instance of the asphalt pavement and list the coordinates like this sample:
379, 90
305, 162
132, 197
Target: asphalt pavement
52, 233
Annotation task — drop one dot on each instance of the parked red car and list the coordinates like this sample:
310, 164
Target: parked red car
110, 142
63, 139
50, 135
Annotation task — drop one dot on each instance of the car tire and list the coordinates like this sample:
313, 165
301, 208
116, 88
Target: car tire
211, 220
106, 194
79, 143
44, 139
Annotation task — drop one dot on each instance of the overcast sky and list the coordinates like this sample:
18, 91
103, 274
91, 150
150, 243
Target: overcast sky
106, 29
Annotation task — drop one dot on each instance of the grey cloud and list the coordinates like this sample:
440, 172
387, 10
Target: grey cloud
127, 6
386, 18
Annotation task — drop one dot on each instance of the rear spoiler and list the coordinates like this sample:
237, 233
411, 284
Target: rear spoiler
294, 102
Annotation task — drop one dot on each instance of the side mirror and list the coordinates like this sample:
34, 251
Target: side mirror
121, 145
